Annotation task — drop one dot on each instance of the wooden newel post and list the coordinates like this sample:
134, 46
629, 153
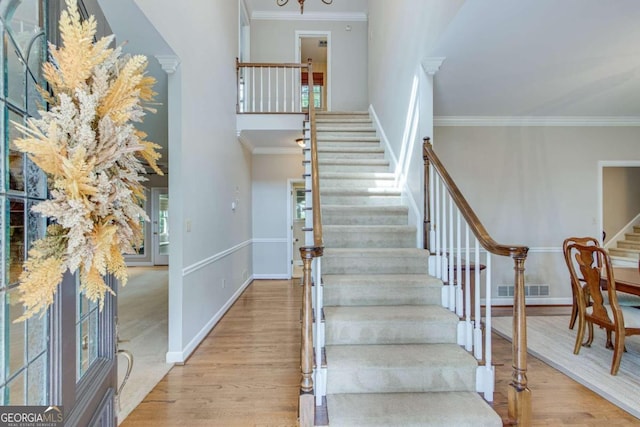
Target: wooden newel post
519, 394
426, 225
306, 405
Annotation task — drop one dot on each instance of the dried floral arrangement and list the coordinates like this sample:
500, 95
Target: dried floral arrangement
93, 157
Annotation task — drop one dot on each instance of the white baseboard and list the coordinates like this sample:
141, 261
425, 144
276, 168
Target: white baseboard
181, 356
531, 301
271, 277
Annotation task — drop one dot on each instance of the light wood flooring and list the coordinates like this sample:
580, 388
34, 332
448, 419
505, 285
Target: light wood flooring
246, 373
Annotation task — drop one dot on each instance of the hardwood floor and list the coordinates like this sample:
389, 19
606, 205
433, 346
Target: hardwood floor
246, 373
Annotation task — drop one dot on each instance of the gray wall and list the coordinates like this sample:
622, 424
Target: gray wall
534, 186
270, 193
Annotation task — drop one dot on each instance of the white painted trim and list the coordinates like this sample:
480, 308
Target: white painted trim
535, 121
416, 210
300, 34
203, 263
182, 356
277, 150
432, 65
383, 139
495, 302
244, 141
169, 63
259, 15
271, 277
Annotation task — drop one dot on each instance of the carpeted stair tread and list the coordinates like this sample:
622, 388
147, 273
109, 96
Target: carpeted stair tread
408, 368
626, 253
634, 237
386, 324
455, 409
381, 289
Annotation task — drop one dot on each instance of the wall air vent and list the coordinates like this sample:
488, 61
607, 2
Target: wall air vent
322, 43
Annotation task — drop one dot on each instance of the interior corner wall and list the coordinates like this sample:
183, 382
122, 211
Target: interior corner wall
271, 175
209, 172
274, 41
534, 186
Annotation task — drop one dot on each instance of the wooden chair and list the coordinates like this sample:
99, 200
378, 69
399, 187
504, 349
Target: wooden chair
594, 265
588, 241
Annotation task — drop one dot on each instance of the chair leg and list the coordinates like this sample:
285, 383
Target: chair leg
574, 313
609, 344
579, 335
618, 349
590, 338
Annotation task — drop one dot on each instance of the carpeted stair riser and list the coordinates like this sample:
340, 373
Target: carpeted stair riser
357, 181
626, 253
335, 153
456, 409
354, 199
416, 324
374, 261
364, 215
628, 244
363, 236
634, 237
326, 115
381, 289
415, 368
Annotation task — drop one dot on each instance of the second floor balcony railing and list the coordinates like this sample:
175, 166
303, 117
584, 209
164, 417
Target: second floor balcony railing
271, 88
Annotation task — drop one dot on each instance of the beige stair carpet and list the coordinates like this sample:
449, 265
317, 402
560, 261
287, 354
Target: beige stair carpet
392, 357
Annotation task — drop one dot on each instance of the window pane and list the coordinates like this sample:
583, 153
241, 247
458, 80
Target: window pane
37, 336
16, 339
16, 239
16, 390
37, 381
16, 158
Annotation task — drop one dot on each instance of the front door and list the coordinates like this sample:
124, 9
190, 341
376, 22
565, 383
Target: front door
67, 356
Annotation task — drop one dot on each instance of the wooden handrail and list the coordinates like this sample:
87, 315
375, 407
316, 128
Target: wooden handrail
519, 395
315, 176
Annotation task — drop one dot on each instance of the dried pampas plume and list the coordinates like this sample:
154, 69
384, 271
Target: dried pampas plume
93, 157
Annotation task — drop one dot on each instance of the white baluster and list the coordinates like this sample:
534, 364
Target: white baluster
458, 274
253, 89
467, 291
485, 381
450, 258
477, 332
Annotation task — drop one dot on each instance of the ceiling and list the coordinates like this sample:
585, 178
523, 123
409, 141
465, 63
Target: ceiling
540, 58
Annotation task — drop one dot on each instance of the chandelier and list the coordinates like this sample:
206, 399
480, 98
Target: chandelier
283, 2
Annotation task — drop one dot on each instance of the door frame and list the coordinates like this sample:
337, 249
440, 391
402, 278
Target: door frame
291, 183
301, 34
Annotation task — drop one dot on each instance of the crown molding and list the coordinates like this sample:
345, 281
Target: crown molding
523, 121
308, 16
169, 63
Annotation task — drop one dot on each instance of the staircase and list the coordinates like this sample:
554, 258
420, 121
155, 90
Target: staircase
627, 250
391, 348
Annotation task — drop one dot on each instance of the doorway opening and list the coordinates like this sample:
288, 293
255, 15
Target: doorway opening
315, 45
297, 215
619, 208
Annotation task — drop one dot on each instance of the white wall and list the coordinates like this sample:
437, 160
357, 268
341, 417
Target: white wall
534, 186
274, 41
211, 263
270, 174
401, 36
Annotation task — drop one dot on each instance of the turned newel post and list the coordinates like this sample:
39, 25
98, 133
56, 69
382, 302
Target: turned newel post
307, 402
426, 225
519, 394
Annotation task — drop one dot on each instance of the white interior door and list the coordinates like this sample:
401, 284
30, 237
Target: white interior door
160, 225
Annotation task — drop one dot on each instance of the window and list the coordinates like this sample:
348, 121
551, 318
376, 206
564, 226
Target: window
317, 97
